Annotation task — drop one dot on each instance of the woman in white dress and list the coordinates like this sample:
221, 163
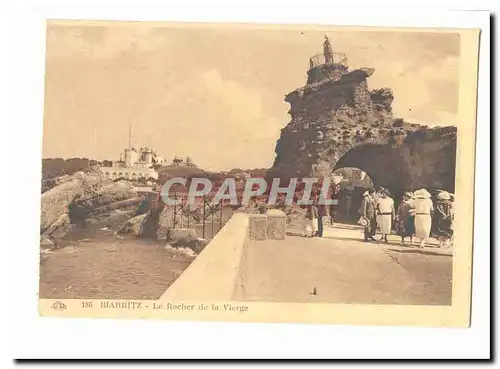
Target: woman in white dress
386, 212
423, 215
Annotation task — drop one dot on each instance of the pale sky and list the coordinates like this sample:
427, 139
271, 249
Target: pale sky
217, 94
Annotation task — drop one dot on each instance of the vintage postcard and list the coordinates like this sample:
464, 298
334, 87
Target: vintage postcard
258, 173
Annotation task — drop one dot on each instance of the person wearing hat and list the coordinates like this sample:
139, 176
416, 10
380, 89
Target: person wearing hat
385, 212
310, 220
322, 216
405, 218
368, 216
423, 215
443, 218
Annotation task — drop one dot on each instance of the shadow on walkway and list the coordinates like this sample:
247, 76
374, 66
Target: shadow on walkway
418, 251
357, 239
344, 226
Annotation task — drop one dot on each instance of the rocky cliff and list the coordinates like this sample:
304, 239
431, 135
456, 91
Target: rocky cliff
337, 121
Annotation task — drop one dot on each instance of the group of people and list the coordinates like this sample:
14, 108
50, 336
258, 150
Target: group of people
415, 216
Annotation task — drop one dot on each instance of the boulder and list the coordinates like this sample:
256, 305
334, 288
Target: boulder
47, 184
185, 251
59, 228
152, 218
46, 243
115, 219
165, 223
56, 201
123, 205
182, 236
134, 225
185, 237
102, 199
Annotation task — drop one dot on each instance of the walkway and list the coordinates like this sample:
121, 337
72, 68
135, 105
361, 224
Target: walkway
344, 269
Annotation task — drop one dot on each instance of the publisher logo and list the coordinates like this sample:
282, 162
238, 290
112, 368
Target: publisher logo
58, 305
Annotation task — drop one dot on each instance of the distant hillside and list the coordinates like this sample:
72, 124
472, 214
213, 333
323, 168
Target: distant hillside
186, 171
180, 171
55, 167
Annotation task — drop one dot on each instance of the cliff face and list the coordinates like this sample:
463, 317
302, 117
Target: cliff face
336, 121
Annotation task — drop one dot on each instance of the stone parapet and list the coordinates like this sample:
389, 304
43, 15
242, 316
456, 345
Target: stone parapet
215, 274
258, 227
276, 224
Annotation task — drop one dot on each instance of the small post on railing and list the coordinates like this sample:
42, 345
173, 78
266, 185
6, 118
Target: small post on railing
220, 216
175, 207
203, 217
182, 212
212, 212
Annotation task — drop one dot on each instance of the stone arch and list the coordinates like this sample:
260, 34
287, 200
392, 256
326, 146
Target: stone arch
383, 163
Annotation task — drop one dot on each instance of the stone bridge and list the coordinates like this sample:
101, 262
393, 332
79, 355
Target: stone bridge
336, 122
263, 258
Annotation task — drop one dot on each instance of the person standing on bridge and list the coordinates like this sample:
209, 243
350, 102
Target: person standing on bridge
367, 211
405, 218
386, 212
310, 220
322, 215
334, 195
443, 218
423, 215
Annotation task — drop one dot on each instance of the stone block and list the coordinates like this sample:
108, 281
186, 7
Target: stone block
182, 235
258, 227
276, 224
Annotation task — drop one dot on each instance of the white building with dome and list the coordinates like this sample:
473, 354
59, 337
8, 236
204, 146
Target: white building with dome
134, 164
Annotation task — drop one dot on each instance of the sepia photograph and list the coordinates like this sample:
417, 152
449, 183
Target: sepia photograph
204, 169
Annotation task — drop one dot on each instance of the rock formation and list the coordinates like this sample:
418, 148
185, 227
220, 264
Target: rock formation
337, 121
85, 199
55, 202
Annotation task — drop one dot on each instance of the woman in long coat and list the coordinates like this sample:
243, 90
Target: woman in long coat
443, 218
423, 215
405, 218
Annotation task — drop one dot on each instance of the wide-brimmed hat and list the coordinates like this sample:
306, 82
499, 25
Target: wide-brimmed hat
409, 194
422, 194
443, 195
363, 222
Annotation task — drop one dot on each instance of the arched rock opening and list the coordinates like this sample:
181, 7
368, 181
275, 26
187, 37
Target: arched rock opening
382, 163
